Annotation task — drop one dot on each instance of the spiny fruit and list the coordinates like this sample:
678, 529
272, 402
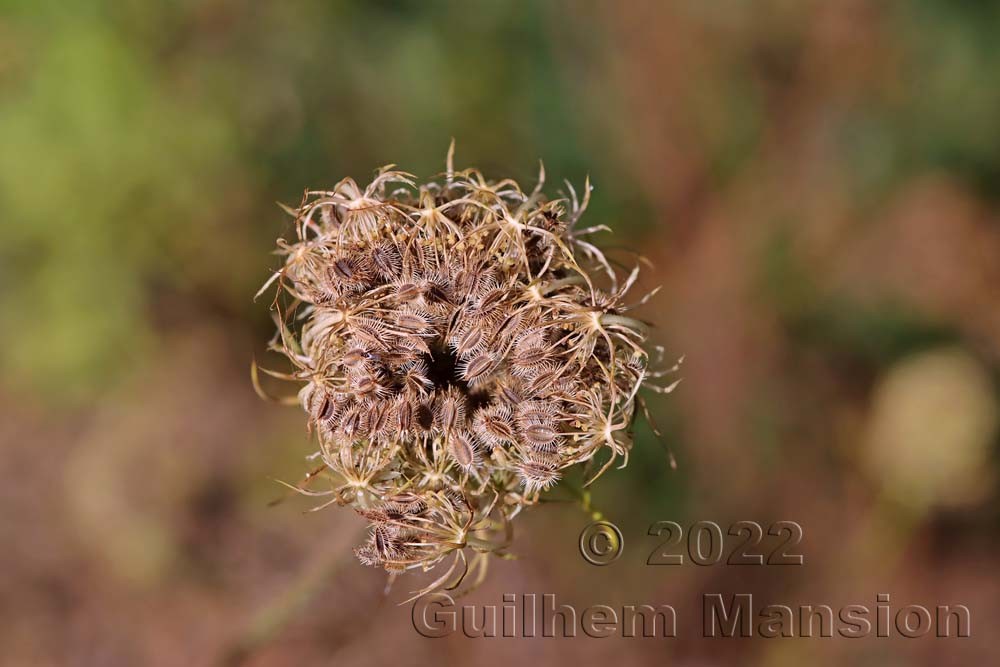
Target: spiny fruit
461, 344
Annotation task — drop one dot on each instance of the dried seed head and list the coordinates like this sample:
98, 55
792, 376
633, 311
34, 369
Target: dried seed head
460, 345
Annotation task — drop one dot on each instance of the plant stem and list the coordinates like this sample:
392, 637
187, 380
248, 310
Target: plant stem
629, 322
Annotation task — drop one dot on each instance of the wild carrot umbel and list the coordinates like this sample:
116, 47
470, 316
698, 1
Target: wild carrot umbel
461, 344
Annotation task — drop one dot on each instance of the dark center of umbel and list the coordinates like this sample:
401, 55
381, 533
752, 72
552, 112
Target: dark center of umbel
442, 369
444, 372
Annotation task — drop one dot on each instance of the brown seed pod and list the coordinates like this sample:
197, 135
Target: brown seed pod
369, 332
488, 306
354, 357
414, 377
449, 411
535, 412
531, 353
477, 368
538, 471
408, 502
414, 322
403, 411
354, 422
349, 274
472, 280
542, 379
494, 425
368, 385
387, 546
541, 436
510, 391
407, 292
335, 409
380, 419
462, 449
385, 261
471, 338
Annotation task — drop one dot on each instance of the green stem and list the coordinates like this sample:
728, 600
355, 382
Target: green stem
562, 282
268, 622
477, 543
629, 322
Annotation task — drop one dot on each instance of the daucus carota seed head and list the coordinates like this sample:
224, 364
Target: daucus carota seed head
461, 343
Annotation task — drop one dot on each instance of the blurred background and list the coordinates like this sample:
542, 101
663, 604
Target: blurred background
816, 184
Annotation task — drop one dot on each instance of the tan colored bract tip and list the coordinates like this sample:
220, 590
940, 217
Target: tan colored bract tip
461, 344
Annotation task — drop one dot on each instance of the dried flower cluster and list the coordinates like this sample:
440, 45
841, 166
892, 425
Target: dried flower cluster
458, 355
